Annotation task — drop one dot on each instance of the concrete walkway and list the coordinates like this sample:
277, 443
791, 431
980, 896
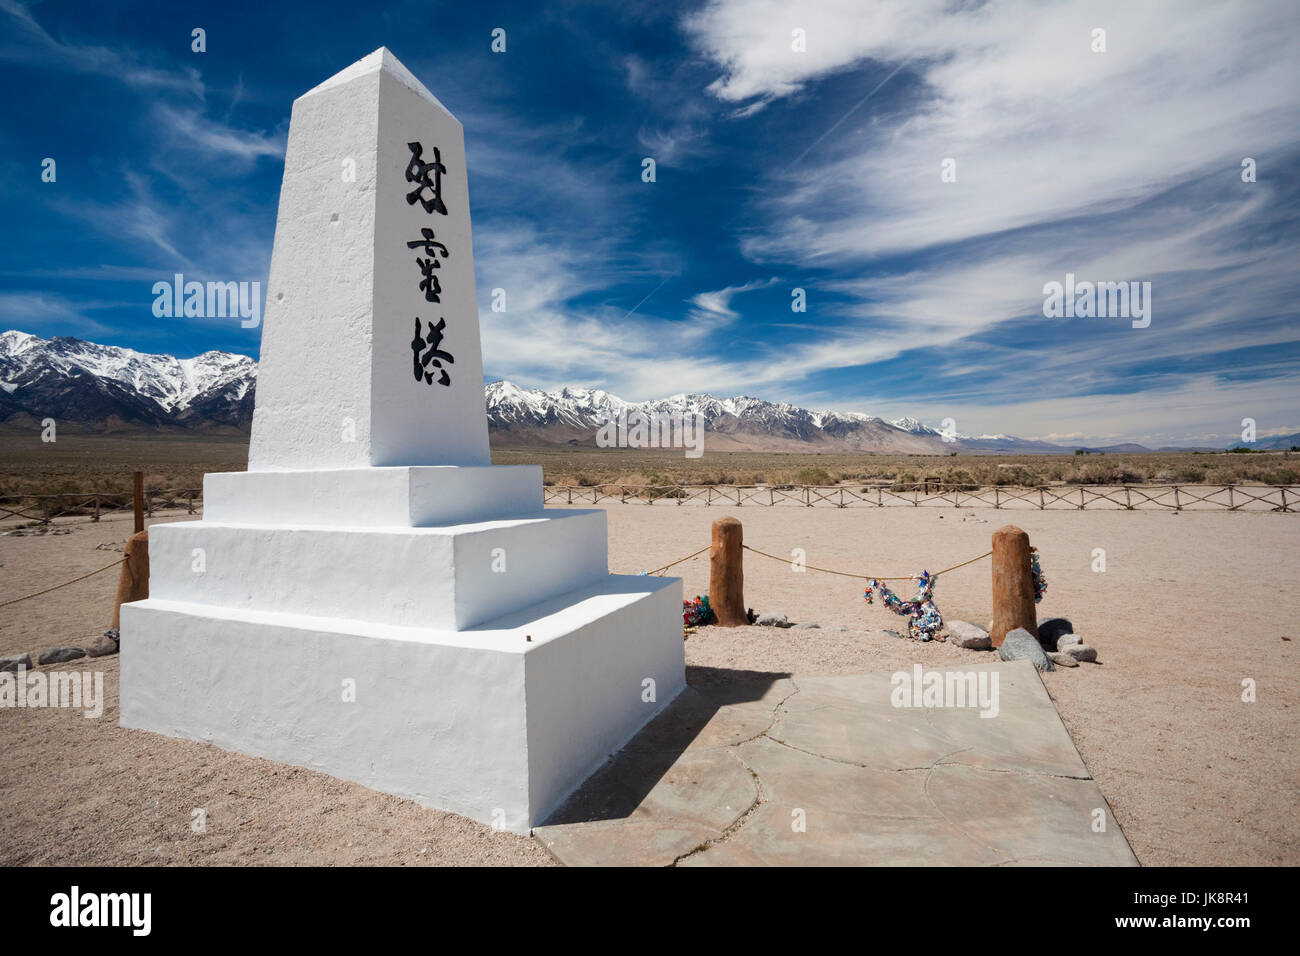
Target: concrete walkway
768, 769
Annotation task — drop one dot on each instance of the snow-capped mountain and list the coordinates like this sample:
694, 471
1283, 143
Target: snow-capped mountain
572, 416
106, 388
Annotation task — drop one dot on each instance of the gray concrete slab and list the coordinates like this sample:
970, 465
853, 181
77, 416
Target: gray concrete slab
767, 769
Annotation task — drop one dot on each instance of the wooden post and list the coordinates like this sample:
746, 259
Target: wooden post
133, 581
727, 573
137, 479
1013, 585
96, 518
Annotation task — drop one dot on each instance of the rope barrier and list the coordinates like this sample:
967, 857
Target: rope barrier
64, 584
811, 567
867, 577
680, 560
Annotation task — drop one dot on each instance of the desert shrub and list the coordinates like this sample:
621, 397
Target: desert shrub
813, 476
958, 478
1017, 475
903, 481
1189, 473
1284, 475
1103, 473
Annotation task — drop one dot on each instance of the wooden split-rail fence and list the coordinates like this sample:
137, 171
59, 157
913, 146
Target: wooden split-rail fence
1281, 498
45, 508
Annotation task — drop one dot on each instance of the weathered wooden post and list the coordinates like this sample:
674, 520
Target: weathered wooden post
727, 573
137, 479
133, 580
1013, 585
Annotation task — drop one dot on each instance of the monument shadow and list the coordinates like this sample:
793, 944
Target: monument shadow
621, 784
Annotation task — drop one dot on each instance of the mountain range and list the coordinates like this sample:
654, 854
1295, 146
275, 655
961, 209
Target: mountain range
104, 388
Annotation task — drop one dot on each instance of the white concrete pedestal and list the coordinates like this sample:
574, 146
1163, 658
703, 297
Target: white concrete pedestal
373, 599
482, 721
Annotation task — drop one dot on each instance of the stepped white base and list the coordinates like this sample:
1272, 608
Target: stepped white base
481, 721
406, 497
455, 576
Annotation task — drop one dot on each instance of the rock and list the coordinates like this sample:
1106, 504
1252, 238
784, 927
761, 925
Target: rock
1050, 630
808, 625
1065, 660
59, 655
772, 620
1065, 640
1082, 652
894, 634
1020, 645
13, 663
969, 635
102, 646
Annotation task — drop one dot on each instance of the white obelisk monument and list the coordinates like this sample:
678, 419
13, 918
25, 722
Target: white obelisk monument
373, 599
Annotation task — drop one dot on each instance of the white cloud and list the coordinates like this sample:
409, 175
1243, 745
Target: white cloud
188, 130
36, 47
1123, 165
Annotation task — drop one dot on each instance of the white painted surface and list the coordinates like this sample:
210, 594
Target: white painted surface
373, 497
335, 386
371, 542
447, 577
470, 721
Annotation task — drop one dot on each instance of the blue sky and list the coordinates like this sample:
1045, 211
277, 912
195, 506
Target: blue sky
777, 169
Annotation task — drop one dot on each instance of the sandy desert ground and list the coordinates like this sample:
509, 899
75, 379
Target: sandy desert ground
1189, 606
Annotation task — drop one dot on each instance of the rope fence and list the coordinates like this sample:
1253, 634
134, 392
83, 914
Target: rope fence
1017, 580
812, 567
83, 577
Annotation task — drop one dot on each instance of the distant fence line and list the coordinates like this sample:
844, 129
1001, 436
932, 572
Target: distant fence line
44, 508
1281, 498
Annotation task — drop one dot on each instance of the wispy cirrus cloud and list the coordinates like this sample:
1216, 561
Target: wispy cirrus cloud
31, 44
1115, 165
